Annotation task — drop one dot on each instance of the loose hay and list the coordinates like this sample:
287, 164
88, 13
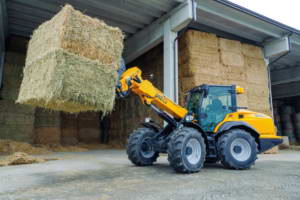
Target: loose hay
9, 147
21, 158
72, 63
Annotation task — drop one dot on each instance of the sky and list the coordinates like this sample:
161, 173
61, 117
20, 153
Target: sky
286, 12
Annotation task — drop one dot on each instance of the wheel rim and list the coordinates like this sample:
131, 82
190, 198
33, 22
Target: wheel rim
193, 151
146, 148
240, 149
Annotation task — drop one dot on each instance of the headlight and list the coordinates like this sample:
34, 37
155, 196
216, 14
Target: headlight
189, 118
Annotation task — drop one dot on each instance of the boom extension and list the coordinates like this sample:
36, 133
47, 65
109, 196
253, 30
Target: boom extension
131, 80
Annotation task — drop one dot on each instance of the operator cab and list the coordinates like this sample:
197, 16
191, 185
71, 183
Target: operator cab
211, 103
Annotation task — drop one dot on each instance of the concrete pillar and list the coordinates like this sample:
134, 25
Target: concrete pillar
267, 61
170, 62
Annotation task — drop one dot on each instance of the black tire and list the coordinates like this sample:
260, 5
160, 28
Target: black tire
139, 150
237, 149
180, 146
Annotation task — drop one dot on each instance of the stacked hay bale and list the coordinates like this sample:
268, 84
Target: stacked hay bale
16, 121
277, 121
89, 127
72, 63
286, 113
205, 58
69, 129
81, 128
47, 126
296, 120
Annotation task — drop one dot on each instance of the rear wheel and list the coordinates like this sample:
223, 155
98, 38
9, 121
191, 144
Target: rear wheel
237, 149
139, 147
186, 150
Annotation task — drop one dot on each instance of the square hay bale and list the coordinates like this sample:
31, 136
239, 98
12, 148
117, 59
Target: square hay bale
201, 42
252, 51
230, 45
47, 135
72, 63
232, 58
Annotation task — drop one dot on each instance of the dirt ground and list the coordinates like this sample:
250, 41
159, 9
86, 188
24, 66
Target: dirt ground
108, 175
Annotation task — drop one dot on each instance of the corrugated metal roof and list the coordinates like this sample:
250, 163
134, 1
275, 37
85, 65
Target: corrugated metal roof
240, 22
129, 15
133, 15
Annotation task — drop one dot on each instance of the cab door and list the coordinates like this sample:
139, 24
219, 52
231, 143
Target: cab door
216, 104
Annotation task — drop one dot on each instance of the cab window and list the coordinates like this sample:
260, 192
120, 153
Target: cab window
215, 106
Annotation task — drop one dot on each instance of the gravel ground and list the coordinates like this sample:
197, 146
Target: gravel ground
107, 174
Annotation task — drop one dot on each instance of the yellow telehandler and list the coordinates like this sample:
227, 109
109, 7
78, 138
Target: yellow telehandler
210, 128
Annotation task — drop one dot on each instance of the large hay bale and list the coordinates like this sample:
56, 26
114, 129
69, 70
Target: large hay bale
47, 135
232, 58
71, 64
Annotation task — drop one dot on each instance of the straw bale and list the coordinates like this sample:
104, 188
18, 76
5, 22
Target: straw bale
255, 64
88, 135
258, 103
71, 64
78, 34
232, 58
89, 116
59, 82
16, 119
47, 118
69, 140
69, 121
258, 89
12, 107
252, 51
47, 135
202, 42
230, 45
69, 132
231, 73
242, 100
199, 68
258, 78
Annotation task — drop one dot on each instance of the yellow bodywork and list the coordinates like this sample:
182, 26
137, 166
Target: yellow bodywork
150, 95
262, 123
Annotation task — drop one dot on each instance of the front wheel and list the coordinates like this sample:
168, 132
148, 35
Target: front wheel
237, 149
139, 147
186, 150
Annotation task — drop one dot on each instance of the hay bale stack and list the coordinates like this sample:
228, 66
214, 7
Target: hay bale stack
47, 126
16, 121
89, 127
71, 64
207, 59
69, 129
